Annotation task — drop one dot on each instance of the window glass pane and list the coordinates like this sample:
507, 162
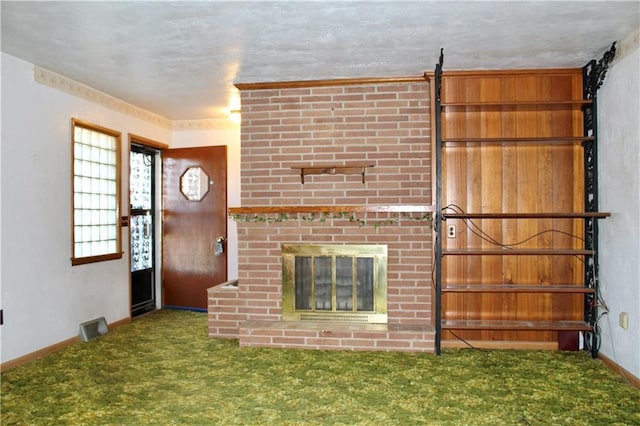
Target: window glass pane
95, 198
140, 189
141, 242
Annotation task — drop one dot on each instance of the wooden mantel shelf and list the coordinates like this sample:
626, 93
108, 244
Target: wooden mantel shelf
399, 208
332, 169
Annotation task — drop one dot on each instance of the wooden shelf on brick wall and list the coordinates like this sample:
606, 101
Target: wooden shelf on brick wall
399, 208
332, 169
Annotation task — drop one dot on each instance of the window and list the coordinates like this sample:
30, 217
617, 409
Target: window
96, 193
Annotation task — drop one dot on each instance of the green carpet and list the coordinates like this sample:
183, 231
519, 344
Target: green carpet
162, 369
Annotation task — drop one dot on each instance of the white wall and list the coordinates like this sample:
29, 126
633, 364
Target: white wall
226, 133
619, 192
1, 239
43, 297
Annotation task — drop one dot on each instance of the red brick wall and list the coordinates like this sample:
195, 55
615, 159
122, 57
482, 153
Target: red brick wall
387, 125
408, 269
384, 124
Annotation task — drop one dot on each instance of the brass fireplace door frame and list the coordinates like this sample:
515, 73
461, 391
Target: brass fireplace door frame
376, 251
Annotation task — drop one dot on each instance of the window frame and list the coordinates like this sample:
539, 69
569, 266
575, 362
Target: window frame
117, 253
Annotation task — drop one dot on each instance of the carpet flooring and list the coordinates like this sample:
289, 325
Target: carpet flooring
162, 369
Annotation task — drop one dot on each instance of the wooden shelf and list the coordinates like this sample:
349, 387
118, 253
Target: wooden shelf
521, 140
332, 169
515, 288
399, 208
517, 252
550, 104
450, 324
556, 215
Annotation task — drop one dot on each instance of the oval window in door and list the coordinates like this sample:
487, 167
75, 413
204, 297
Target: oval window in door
194, 183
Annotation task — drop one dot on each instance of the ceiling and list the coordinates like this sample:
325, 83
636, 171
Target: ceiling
181, 59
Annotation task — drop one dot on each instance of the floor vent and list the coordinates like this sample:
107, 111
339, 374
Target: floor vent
94, 328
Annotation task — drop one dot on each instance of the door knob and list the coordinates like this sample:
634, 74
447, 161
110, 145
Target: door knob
220, 245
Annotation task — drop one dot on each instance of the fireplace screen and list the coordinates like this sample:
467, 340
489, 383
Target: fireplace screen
346, 283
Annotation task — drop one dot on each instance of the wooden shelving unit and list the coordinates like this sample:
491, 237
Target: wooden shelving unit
516, 209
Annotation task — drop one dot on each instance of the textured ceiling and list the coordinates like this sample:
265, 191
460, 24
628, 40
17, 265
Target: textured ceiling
181, 59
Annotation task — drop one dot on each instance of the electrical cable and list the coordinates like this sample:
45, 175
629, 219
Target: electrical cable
433, 262
476, 230
433, 285
479, 232
465, 341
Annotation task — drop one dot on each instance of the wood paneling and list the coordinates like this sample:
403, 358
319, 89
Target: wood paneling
512, 145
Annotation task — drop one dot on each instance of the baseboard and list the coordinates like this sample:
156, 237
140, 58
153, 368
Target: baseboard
633, 380
16, 362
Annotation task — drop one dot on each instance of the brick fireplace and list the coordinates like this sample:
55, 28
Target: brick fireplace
332, 163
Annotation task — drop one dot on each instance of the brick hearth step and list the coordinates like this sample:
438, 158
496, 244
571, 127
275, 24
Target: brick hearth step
338, 336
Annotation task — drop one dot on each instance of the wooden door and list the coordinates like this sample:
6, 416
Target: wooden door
194, 254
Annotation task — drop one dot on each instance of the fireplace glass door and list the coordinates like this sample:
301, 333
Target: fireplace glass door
336, 283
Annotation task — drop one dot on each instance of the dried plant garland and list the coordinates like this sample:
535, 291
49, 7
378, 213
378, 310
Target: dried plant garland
324, 216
